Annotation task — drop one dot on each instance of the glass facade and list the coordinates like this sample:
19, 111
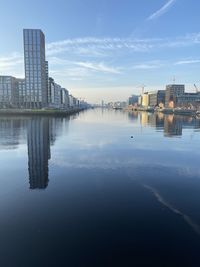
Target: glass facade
35, 69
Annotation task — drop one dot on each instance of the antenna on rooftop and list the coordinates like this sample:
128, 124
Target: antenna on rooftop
174, 80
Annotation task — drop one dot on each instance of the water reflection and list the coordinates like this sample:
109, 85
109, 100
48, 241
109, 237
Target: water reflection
39, 133
11, 131
171, 125
127, 198
38, 152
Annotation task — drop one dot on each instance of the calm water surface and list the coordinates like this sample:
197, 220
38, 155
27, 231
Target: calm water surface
79, 191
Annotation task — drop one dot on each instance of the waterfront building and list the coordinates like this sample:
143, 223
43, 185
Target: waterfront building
35, 68
47, 77
58, 97
54, 95
157, 98
73, 102
21, 88
171, 93
140, 101
51, 92
9, 93
133, 100
110, 105
120, 104
64, 98
37, 90
145, 100
188, 100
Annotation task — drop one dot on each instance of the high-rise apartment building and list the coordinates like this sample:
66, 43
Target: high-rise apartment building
37, 90
36, 95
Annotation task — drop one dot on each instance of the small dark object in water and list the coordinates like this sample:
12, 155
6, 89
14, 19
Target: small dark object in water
131, 136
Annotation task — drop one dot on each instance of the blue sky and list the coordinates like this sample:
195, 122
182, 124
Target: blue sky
107, 49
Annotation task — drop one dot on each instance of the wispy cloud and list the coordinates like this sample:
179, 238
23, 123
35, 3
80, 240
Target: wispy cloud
100, 67
97, 46
149, 65
71, 59
186, 62
162, 10
12, 65
104, 47
70, 73
13, 60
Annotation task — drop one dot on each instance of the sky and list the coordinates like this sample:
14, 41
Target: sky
107, 49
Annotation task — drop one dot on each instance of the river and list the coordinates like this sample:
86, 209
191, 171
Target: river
100, 188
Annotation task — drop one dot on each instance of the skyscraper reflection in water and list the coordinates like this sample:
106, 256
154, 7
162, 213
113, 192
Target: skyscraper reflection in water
38, 152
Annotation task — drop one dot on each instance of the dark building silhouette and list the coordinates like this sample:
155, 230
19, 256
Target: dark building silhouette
38, 152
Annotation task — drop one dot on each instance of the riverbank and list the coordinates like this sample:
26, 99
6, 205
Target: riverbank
40, 112
176, 111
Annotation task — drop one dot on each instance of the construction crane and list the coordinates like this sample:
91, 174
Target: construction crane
143, 87
197, 89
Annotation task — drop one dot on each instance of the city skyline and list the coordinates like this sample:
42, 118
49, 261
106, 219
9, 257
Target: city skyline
97, 56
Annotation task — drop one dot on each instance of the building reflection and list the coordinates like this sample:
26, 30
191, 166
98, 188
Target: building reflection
144, 118
171, 125
133, 116
157, 121
41, 134
11, 131
38, 152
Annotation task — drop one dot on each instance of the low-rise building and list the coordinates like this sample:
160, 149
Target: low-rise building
171, 93
73, 102
188, 100
9, 92
21, 87
64, 98
157, 98
133, 100
58, 97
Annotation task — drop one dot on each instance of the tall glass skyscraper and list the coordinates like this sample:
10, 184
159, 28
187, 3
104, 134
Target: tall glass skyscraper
35, 69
